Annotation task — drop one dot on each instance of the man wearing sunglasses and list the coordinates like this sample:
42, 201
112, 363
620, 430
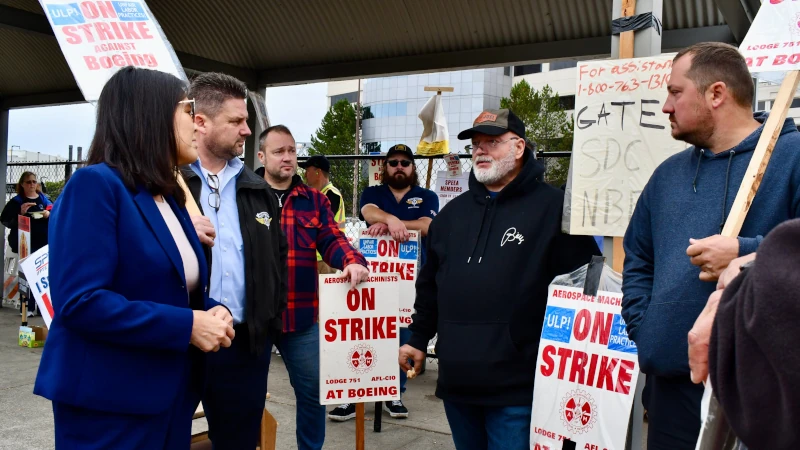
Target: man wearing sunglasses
395, 206
492, 253
247, 255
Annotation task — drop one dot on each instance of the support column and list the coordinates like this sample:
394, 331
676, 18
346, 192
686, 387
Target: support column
251, 143
646, 42
4, 113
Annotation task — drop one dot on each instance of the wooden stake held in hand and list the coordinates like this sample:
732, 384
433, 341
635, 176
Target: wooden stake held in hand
761, 155
359, 426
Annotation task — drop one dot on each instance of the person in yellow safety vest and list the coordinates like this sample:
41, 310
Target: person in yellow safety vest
318, 170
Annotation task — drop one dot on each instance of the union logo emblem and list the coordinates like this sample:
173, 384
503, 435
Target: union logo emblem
579, 411
361, 358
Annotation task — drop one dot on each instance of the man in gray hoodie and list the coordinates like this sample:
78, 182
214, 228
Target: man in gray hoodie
673, 249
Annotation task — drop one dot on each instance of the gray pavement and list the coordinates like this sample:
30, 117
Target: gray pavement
26, 420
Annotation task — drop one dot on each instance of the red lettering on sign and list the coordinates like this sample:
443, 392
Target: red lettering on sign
359, 329
601, 328
612, 374
583, 323
578, 365
604, 379
547, 357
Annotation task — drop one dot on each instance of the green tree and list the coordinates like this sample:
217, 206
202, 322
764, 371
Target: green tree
547, 124
337, 136
54, 189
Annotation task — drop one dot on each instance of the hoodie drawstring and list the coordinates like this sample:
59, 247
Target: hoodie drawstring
697, 172
488, 233
478, 237
725, 192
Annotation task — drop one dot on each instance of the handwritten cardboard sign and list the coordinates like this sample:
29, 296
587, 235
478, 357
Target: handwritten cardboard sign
100, 37
621, 136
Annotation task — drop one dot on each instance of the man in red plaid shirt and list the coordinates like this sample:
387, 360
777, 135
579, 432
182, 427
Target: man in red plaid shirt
309, 225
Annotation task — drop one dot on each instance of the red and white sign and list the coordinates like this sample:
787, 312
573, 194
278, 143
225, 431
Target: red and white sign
385, 255
376, 169
358, 340
100, 37
773, 41
586, 372
23, 236
449, 187
453, 164
37, 271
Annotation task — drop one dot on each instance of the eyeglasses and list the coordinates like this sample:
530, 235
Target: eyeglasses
191, 102
489, 145
29, 182
213, 197
395, 162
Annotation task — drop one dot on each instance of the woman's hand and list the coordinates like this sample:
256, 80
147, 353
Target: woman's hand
209, 332
25, 207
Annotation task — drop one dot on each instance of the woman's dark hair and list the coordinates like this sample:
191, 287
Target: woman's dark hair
135, 131
20, 189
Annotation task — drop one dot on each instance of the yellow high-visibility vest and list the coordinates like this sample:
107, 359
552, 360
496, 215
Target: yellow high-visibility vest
337, 215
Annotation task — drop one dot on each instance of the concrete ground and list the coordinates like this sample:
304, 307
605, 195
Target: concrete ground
26, 420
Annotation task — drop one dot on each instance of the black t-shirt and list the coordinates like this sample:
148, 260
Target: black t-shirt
280, 195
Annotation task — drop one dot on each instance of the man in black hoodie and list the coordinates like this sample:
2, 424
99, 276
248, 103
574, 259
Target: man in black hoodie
492, 252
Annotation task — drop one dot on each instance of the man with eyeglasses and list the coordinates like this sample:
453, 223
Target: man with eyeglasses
395, 206
491, 255
309, 225
248, 254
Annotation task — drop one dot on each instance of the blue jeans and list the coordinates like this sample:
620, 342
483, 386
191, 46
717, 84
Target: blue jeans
477, 427
300, 352
405, 335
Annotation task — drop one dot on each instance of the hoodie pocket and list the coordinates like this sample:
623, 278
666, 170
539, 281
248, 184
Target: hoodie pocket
480, 354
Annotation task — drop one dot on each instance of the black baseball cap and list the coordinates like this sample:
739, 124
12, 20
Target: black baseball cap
318, 161
495, 122
401, 149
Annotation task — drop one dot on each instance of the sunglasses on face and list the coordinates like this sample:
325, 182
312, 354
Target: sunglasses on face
29, 182
395, 162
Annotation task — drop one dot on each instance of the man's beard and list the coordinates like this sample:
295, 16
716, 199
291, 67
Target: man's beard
278, 175
399, 181
701, 136
225, 151
500, 168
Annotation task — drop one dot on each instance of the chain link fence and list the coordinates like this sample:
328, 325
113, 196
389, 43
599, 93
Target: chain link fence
52, 175
348, 171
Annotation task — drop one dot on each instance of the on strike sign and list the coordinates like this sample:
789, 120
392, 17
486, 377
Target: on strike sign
37, 271
385, 255
358, 339
99, 37
586, 372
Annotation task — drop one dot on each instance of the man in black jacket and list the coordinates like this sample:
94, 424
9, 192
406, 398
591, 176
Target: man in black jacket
492, 253
248, 260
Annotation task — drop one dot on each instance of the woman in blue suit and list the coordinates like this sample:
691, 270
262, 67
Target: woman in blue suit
124, 360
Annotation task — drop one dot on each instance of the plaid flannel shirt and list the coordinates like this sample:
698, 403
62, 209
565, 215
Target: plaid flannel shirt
309, 225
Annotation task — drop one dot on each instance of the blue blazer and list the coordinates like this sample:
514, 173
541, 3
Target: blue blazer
119, 340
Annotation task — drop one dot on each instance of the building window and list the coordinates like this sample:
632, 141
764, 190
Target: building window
567, 102
558, 65
525, 70
507, 71
762, 106
351, 97
795, 103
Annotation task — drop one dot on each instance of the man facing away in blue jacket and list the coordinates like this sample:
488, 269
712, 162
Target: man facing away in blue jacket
673, 248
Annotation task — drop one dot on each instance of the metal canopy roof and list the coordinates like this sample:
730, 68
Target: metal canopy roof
267, 43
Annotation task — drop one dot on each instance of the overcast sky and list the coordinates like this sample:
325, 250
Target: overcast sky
51, 130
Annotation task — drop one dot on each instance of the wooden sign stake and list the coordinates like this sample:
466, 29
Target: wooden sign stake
359, 426
625, 52
761, 155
